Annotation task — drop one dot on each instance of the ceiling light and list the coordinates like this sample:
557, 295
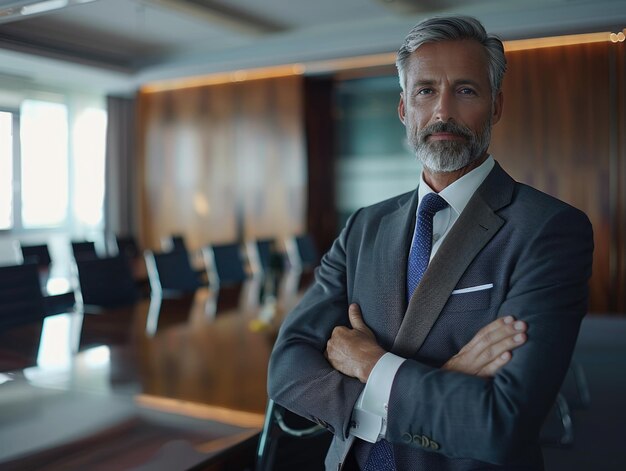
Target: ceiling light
18, 9
42, 7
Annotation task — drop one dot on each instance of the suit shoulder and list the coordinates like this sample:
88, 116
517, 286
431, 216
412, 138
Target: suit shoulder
384, 207
370, 217
539, 203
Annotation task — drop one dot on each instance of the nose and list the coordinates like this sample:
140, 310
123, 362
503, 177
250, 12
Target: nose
445, 107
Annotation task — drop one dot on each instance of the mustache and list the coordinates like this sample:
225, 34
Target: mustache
448, 127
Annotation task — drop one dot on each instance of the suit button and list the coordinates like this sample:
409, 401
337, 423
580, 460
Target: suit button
417, 439
434, 445
407, 438
425, 441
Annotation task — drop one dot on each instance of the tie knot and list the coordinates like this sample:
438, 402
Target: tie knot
431, 204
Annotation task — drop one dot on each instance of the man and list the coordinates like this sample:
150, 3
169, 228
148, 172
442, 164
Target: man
406, 347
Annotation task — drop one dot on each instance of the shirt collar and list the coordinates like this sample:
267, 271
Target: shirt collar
458, 193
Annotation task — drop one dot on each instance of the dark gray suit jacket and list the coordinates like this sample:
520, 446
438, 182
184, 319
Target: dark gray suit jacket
537, 253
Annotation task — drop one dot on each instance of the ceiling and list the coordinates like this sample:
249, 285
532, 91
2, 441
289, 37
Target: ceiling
115, 46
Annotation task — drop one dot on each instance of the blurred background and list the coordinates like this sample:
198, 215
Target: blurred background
210, 123
236, 119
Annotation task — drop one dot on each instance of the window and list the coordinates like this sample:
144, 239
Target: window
6, 169
89, 152
52, 166
44, 163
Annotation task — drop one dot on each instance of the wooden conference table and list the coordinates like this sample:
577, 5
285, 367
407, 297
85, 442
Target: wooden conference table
163, 384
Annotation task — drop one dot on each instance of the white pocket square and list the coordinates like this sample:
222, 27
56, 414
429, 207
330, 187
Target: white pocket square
471, 289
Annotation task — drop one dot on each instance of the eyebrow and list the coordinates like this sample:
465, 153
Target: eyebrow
473, 83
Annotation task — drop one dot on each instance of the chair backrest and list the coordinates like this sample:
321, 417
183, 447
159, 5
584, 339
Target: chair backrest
302, 252
21, 298
309, 256
173, 243
171, 272
106, 282
225, 264
557, 429
84, 250
127, 246
261, 256
265, 248
37, 254
289, 442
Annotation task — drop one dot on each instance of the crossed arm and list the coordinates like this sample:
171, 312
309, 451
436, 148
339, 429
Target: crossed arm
354, 351
321, 359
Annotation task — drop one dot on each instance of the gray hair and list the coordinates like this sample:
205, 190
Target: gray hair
452, 28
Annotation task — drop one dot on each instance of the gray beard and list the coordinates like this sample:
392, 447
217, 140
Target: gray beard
449, 156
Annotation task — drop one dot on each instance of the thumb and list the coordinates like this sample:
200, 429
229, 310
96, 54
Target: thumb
356, 318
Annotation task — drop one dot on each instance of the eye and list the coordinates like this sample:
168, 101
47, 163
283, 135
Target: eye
467, 91
424, 91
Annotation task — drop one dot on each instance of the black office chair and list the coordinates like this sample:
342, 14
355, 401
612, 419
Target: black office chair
225, 264
174, 242
106, 282
289, 442
302, 253
307, 251
40, 256
37, 254
266, 265
170, 273
558, 429
21, 299
303, 257
228, 278
23, 308
127, 246
84, 250
575, 386
260, 253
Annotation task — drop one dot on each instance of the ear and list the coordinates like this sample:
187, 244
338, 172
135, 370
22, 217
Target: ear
497, 108
401, 109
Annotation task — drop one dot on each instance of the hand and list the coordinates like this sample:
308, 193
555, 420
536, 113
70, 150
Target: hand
490, 349
353, 352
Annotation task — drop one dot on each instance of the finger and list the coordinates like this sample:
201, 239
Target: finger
356, 319
495, 352
488, 329
334, 338
492, 368
333, 335
494, 332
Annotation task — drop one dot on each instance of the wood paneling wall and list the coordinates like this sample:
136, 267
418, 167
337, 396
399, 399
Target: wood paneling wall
222, 163
320, 126
227, 162
563, 132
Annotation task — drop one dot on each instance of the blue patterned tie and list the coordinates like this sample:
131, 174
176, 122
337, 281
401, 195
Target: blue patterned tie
422, 240
381, 455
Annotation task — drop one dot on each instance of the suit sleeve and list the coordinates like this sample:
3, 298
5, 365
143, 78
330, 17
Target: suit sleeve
497, 420
300, 378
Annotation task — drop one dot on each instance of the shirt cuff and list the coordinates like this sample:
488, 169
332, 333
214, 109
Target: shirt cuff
369, 416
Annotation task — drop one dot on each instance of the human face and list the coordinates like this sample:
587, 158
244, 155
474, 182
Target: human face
447, 106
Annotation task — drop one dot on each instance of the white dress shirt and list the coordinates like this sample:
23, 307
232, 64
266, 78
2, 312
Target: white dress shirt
369, 416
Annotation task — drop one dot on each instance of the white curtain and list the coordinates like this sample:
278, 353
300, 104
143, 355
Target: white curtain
121, 168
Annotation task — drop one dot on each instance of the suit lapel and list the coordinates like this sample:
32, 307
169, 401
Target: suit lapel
472, 231
394, 237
